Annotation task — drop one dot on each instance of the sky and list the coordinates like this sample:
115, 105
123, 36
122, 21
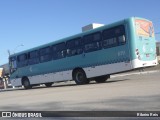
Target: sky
25, 24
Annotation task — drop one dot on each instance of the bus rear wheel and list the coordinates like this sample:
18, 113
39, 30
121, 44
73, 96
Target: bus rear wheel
79, 76
26, 83
48, 84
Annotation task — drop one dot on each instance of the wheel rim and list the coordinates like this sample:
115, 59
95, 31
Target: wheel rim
79, 76
26, 83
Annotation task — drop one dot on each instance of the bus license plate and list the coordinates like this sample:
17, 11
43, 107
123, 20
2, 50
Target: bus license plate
147, 55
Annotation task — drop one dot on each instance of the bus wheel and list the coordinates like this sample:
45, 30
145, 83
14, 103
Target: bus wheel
79, 76
101, 79
26, 83
48, 84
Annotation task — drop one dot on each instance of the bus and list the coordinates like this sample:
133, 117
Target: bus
92, 55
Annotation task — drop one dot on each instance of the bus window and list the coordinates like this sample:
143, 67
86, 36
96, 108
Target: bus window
59, 51
92, 42
96, 37
109, 38
110, 42
22, 60
114, 37
33, 57
74, 47
45, 54
120, 34
13, 64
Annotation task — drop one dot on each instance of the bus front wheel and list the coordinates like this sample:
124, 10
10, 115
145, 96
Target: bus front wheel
79, 76
26, 83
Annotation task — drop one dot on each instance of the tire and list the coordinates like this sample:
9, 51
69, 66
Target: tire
101, 79
79, 76
26, 83
48, 84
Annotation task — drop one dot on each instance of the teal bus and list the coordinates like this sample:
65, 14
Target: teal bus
92, 55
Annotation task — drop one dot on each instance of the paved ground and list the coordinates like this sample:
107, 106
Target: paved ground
132, 91
126, 93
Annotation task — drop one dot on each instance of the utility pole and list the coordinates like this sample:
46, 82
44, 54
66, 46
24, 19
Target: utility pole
9, 53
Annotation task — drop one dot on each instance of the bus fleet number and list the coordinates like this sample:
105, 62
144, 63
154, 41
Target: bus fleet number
121, 53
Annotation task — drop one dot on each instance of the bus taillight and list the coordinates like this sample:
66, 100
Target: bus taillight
147, 55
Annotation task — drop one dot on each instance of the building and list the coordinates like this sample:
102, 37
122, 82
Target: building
4, 75
5, 68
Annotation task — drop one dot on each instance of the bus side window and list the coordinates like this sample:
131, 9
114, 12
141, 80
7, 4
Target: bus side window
110, 42
33, 57
120, 33
59, 51
74, 47
92, 42
114, 36
109, 38
45, 54
22, 60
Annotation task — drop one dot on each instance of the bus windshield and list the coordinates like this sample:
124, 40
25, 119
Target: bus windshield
13, 64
